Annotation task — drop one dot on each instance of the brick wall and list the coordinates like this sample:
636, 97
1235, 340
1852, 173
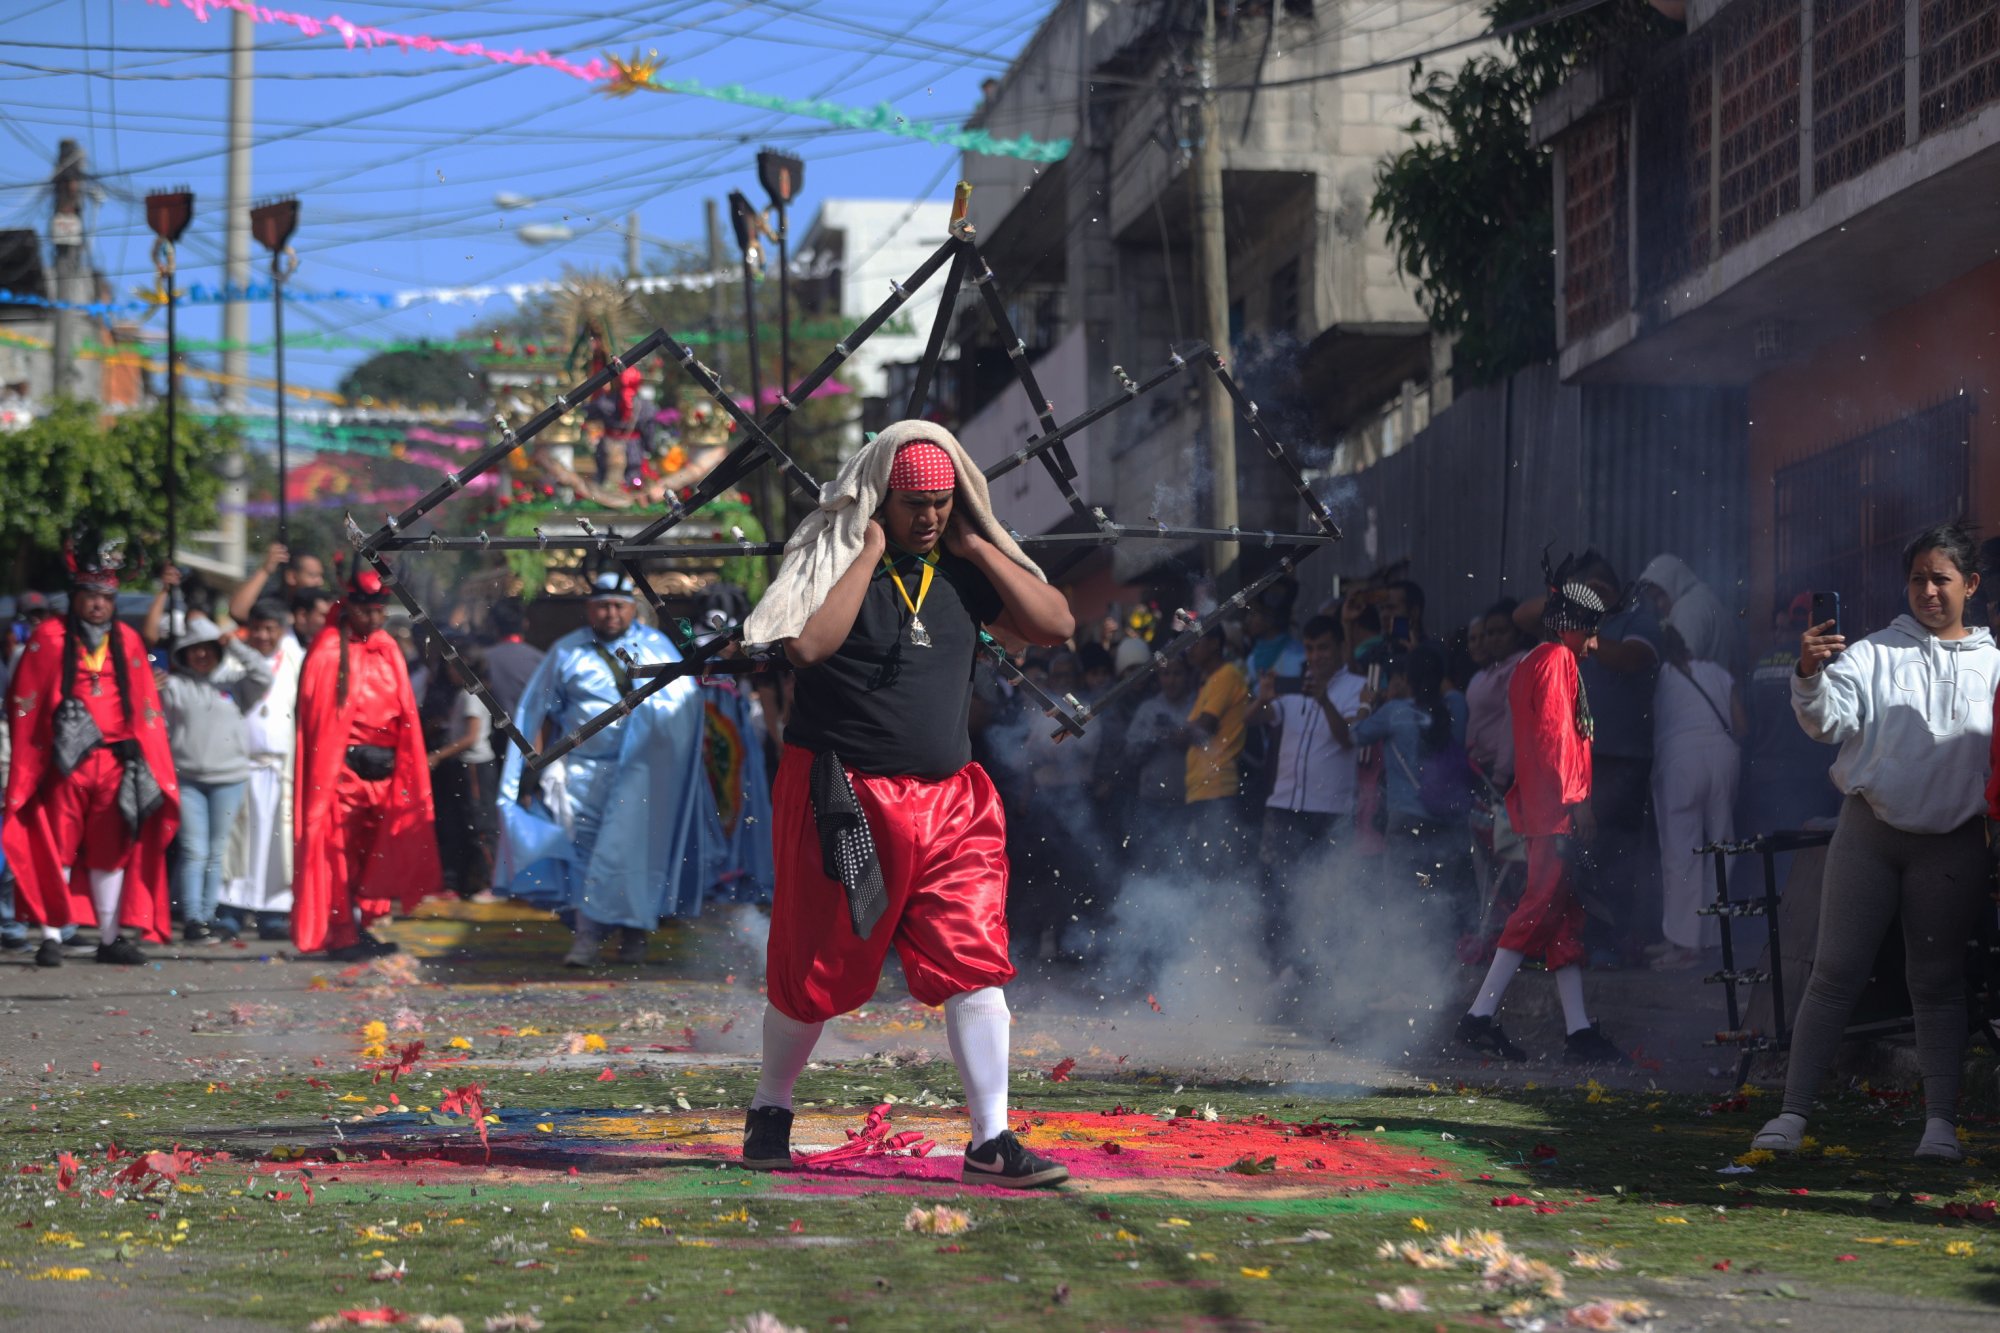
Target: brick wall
1758, 134
1959, 61
1858, 86
1596, 276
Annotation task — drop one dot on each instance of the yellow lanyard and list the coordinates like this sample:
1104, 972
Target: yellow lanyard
94, 659
930, 563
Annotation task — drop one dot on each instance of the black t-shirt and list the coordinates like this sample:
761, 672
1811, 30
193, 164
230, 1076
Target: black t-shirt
886, 706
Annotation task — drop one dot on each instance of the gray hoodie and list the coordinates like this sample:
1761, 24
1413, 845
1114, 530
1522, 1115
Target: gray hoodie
205, 716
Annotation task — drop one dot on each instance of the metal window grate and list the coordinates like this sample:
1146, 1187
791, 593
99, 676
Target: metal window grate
1843, 516
1959, 61
1596, 289
1858, 86
1757, 134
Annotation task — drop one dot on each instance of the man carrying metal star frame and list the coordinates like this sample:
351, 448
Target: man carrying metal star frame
886, 833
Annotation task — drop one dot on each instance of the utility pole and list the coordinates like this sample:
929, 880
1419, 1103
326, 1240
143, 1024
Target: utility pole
72, 269
1211, 258
718, 351
632, 244
236, 261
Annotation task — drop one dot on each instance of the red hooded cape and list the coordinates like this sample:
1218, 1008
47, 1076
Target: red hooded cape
32, 696
1551, 753
404, 867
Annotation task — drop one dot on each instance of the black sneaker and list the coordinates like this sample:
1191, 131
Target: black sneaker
631, 951
349, 953
227, 933
1482, 1033
767, 1139
14, 944
122, 952
1591, 1047
375, 947
1002, 1161
196, 932
49, 954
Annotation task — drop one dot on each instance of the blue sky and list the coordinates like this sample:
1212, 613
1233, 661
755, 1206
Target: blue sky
396, 159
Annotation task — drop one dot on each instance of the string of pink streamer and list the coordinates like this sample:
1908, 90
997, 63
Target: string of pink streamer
362, 35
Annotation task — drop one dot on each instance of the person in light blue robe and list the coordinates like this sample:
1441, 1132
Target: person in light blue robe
616, 834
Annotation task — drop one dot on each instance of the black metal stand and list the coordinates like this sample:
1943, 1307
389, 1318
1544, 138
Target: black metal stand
1767, 847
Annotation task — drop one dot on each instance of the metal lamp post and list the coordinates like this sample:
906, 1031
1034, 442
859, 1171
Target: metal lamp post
273, 224
748, 225
781, 175
168, 214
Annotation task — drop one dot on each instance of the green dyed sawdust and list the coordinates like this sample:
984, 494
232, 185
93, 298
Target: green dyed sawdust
1631, 1173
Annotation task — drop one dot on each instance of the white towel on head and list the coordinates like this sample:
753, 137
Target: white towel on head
827, 543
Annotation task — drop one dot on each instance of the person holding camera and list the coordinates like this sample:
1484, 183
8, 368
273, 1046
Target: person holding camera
1911, 708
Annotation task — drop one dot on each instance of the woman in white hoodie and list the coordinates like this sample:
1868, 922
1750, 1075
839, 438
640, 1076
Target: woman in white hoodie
1911, 708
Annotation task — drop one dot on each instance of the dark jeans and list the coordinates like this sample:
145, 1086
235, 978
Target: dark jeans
1430, 862
468, 820
1217, 843
1618, 874
1060, 877
1299, 851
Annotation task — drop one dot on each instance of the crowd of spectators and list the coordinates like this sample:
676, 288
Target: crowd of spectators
1355, 747
1353, 734
228, 679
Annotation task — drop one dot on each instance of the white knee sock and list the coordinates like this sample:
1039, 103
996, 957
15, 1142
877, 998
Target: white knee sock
788, 1044
1506, 962
976, 1025
55, 932
107, 893
1569, 988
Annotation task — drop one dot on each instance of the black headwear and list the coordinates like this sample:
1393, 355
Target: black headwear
1572, 603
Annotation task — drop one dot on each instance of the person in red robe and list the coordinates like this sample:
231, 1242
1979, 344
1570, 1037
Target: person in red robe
1549, 805
91, 798
363, 830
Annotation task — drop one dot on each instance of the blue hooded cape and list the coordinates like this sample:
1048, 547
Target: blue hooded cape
643, 812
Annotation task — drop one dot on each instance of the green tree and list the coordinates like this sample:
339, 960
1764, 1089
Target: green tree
71, 469
1470, 205
430, 377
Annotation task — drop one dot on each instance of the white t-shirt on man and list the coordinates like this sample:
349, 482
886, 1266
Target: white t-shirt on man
1312, 773
469, 706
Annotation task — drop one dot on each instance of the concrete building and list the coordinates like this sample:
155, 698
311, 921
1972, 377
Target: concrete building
1094, 252
861, 245
28, 340
1796, 202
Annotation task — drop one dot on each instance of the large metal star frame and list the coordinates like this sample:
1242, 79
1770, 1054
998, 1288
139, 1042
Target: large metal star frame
758, 447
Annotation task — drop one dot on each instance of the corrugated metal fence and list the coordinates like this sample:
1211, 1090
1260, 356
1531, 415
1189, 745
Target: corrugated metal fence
1471, 500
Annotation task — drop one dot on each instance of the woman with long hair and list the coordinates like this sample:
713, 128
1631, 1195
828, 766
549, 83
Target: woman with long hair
1911, 708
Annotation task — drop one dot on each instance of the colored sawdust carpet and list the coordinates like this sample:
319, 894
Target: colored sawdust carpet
850, 1151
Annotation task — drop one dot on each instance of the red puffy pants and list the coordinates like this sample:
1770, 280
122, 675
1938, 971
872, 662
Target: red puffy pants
943, 851
83, 813
1548, 921
360, 806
